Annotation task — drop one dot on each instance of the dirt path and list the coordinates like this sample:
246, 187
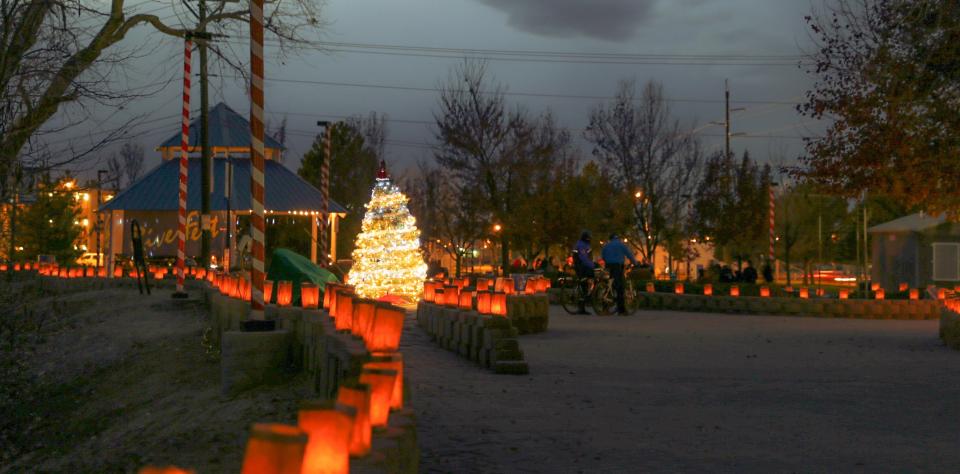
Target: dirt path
127, 382
669, 392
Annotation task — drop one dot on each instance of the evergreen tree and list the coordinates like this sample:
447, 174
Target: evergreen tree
49, 225
731, 207
387, 258
352, 167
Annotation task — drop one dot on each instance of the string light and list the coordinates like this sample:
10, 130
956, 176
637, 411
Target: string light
387, 258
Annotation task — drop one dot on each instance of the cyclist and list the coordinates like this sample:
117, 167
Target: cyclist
614, 253
583, 265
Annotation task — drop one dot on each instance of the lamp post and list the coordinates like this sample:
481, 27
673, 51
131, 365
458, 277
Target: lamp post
496, 231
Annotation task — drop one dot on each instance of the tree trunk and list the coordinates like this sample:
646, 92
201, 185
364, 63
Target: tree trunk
786, 261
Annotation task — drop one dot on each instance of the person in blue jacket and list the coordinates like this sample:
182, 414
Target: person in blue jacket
583, 265
614, 254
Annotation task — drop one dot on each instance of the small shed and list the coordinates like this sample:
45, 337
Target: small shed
918, 249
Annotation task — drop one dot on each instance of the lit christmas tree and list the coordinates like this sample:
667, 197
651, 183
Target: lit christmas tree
387, 259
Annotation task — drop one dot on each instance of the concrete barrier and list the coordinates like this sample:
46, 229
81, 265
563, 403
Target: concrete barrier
490, 341
248, 359
812, 307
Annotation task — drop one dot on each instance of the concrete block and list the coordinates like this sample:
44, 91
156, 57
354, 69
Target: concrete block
249, 359
507, 345
495, 322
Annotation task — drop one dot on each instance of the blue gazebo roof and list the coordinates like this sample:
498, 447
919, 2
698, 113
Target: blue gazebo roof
228, 129
157, 191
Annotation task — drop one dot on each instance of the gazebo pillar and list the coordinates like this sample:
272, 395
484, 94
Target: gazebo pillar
332, 225
314, 221
232, 241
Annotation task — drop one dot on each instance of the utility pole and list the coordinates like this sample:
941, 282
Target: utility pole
206, 175
100, 174
819, 241
726, 122
866, 248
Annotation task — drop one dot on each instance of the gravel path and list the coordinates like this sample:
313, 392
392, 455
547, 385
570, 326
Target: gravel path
669, 391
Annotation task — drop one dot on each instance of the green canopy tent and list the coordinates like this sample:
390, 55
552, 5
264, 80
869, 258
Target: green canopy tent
291, 266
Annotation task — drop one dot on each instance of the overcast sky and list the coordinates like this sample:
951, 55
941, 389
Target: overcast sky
749, 28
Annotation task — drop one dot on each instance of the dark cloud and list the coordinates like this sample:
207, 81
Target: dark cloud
603, 19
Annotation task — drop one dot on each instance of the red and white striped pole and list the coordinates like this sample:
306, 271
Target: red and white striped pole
772, 238
257, 159
184, 143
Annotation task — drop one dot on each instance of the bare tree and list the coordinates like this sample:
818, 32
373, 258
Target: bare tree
486, 148
132, 155
55, 53
115, 172
373, 127
279, 134
445, 222
649, 155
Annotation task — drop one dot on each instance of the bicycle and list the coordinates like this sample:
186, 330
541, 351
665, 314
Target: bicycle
599, 293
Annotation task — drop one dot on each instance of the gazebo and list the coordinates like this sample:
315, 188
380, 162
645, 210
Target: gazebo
152, 200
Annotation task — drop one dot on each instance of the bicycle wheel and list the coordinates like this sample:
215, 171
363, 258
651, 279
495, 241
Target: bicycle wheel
569, 295
603, 301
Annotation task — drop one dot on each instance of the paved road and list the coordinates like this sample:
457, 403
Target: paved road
669, 392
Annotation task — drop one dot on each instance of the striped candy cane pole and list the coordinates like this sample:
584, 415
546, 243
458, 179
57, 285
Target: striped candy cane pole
772, 210
184, 142
325, 192
256, 154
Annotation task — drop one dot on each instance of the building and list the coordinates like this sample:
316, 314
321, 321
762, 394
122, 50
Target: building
152, 201
917, 249
85, 202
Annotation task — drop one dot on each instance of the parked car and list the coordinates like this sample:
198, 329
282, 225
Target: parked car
90, 259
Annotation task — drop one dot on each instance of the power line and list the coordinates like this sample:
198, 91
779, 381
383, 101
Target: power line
574, 58
552, 56
563, 54
519, 94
